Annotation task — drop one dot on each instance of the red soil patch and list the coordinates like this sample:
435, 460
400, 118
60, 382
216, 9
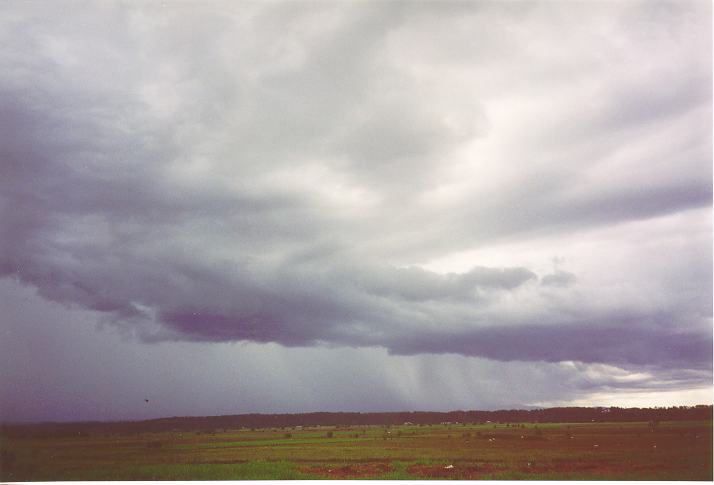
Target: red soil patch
459, 472
361, 470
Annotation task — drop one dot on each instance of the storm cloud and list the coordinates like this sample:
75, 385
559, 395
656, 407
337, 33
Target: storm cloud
509, 182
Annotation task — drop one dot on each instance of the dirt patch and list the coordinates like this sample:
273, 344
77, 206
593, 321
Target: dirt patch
361, 470
461, 472
371, 460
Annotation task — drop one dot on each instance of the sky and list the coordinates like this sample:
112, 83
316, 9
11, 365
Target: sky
295, 206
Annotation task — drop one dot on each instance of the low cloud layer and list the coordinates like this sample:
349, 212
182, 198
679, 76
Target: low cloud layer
273, 174
99, 375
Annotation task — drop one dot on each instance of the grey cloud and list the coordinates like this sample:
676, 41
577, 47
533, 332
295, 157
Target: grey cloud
417, 284
558, 278
507, 278
535, 212
405, 310
198, 225
306, 305
623, 342
82, 374
639, 378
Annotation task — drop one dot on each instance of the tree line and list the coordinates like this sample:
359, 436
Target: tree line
416, 418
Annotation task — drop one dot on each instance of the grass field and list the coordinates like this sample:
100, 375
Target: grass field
598, 451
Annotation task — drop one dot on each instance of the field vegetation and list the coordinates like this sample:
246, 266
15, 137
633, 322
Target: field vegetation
672, 450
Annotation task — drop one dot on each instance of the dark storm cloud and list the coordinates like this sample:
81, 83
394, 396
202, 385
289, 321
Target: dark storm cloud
620, 342
268, 179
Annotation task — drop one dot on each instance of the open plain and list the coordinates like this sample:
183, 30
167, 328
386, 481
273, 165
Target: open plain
556, 451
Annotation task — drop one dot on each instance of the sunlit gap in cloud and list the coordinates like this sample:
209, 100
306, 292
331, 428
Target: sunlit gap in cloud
638, 399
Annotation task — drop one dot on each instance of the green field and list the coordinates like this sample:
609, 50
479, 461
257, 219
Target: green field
597, 451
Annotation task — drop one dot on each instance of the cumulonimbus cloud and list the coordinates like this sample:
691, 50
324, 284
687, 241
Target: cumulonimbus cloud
287, 193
